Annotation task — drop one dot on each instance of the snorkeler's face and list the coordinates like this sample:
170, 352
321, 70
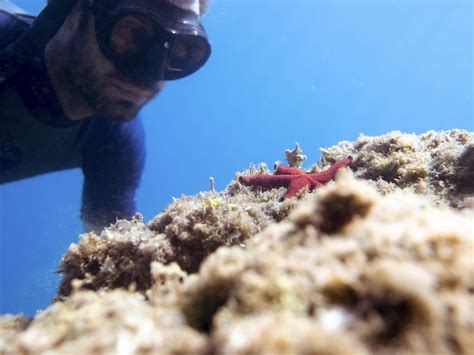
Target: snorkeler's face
108, 92
151, 40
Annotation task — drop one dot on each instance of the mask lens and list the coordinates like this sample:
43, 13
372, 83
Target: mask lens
148, 50
188, 53
130, 35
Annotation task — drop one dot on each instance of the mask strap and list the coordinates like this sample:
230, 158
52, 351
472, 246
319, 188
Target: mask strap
45, 26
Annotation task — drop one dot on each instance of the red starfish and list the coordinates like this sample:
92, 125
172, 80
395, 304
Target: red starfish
294, 179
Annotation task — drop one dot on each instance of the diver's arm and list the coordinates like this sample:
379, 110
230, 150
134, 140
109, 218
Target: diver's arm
113, 162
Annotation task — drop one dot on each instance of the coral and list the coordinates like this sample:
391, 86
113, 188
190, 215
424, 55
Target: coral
294, 157
377, 261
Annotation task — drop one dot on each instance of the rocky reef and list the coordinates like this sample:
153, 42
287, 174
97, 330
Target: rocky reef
378, 261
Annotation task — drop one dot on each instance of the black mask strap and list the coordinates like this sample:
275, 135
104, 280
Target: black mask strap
45, 26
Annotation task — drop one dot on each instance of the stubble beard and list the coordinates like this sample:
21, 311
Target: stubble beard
94, 90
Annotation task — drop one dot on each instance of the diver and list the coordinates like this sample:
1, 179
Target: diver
72, 82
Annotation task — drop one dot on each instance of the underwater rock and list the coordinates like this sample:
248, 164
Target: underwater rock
356, 267
437, 164
394, 275
10, 325
119, 258
187, 231
118, 322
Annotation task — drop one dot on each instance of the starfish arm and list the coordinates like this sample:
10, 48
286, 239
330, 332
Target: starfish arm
287, 170
296, 185
266, 180
314, 183
329, 174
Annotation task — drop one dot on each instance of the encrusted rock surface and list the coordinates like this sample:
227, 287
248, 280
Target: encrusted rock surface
436, 164
387, 274
103, 322
187, 231
357, 267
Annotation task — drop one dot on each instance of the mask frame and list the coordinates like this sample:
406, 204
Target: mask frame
173, 27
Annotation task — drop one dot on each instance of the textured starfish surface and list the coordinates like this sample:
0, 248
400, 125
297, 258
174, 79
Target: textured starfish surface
294, 179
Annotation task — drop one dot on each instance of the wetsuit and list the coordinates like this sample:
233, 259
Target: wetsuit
36, 137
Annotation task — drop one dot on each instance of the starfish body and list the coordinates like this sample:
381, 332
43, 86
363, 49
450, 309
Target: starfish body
294, 179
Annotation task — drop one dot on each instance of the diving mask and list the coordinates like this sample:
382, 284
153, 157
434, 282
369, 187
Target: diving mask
150, 40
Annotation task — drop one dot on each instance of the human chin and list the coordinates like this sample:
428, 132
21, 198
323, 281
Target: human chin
120, 110
110, 103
